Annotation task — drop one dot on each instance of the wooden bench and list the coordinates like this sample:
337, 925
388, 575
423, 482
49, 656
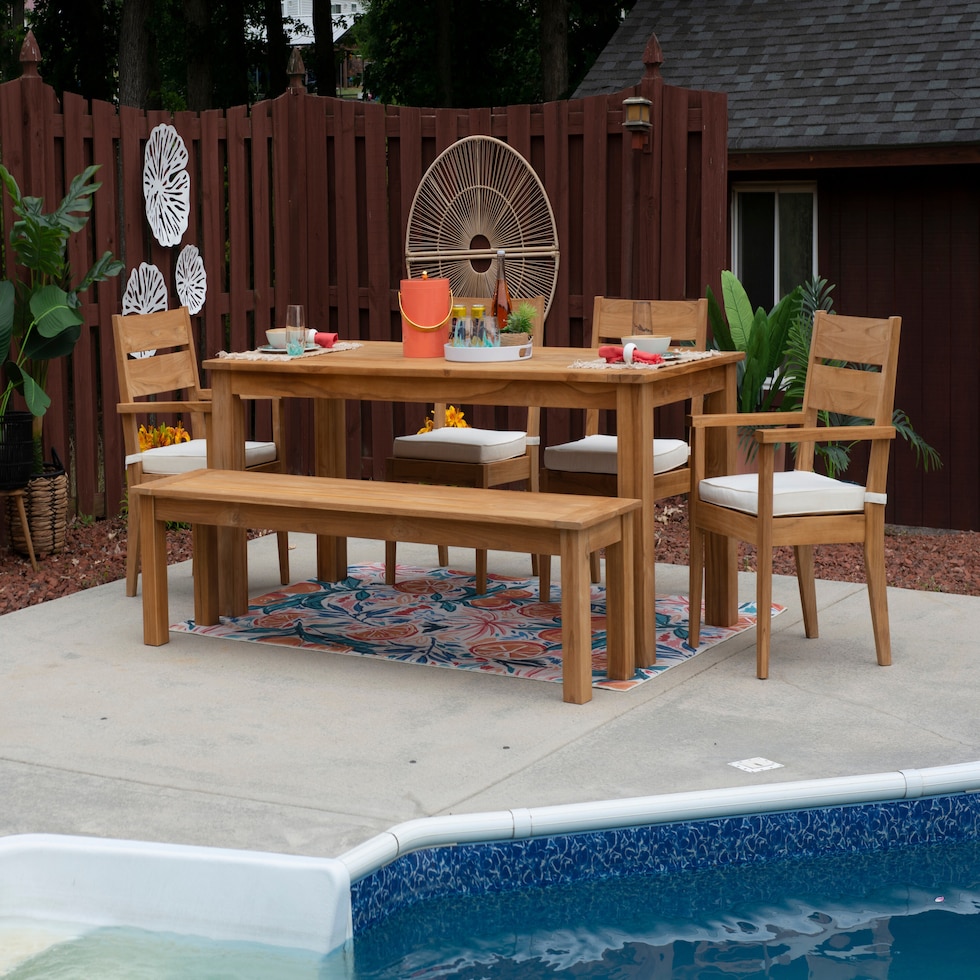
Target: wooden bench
554, 524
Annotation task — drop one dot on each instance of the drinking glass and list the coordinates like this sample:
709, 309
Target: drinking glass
295, 331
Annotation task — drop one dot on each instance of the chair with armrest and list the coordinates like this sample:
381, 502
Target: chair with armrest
851, 372
469, 457
589, 465
155, 356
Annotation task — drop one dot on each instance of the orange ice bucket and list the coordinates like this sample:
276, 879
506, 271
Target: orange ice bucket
426, 306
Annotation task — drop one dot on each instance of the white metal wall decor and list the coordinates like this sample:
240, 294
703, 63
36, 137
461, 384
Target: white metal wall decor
478, 196
166, 184
192, 279
146, 292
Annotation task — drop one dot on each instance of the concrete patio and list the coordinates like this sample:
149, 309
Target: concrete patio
214, 742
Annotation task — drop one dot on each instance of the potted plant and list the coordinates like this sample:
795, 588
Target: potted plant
39, 309
519, 327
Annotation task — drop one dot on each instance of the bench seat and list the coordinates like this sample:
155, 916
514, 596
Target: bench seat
540, 523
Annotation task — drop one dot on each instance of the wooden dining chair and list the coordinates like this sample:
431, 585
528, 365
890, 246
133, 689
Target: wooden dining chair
851, 371
469, 457
157, 370
589, 465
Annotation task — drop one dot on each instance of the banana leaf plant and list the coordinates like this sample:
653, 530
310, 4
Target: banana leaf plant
39, 309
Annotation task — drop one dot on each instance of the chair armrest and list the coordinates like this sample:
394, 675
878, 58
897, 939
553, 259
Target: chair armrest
832, 433
744, 420
141, 408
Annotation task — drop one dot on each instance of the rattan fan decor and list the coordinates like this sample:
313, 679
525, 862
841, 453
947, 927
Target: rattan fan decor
478, 196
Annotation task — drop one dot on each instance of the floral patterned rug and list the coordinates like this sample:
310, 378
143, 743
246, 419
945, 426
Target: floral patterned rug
437, 618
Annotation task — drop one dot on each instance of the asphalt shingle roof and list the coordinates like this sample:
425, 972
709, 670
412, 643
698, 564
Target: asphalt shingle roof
847, 75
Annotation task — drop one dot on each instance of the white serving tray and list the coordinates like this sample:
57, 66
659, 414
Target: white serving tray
514, 353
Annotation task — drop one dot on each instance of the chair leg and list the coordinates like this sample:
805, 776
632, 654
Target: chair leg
803, 554
25, 527
391, 558
763, 610
133, 543
283, 540
595, 572
544, 578
695, 586
874, 568
481, 571
443, 554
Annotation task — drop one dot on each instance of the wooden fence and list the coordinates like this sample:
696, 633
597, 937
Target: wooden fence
305, 199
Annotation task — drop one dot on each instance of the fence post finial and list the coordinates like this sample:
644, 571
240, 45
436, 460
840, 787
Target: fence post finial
296, 71
653, 57
30, 57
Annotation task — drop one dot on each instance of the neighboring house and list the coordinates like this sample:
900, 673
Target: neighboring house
343, 14
854, 152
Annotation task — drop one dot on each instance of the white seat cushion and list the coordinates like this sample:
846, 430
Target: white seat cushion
186, 456
597, 454
797, 492
452, 445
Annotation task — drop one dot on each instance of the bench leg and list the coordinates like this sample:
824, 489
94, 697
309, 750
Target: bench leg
576, 620
206, 597
620, 648
153, 544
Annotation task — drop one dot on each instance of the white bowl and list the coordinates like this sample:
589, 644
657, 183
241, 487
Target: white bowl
649, 343
276, 337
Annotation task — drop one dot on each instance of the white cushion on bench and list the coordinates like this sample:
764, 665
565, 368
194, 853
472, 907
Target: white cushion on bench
185, 456
455, 445
796, 492
597, 454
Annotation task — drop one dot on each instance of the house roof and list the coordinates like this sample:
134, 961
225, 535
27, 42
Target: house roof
835, 75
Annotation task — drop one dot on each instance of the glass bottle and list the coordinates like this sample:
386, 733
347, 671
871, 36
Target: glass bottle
500, 307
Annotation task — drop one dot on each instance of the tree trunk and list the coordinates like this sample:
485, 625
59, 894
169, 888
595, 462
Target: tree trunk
134, 54
200, 88
554, 49
238, 66
444, 51
326, 80
277, 48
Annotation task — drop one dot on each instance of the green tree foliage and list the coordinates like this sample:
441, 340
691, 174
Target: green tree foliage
468, 53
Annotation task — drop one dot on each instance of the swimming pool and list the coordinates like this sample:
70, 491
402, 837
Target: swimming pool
324, 904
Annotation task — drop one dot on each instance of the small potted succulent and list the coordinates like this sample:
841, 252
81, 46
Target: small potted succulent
519, 327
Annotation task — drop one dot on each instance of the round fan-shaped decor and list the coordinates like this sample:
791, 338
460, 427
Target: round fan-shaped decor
481, 195
166, 184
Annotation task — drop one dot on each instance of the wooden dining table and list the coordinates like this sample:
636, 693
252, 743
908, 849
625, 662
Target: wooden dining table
554, 377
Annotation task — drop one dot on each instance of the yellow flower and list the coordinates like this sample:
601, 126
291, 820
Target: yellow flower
454, 420
162, 435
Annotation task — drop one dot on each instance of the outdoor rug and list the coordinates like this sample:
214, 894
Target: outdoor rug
437, 618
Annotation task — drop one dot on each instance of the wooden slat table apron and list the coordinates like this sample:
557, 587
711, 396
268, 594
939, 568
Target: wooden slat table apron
377, 371
569, 526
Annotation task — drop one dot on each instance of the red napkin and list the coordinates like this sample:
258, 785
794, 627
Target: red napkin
325, 339
613, 354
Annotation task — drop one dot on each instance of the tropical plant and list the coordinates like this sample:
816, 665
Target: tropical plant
39, 310
836, 456
761, 336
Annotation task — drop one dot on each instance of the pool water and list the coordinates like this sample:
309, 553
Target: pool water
906, 912
135, 954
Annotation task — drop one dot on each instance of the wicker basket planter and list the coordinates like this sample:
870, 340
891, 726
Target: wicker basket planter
514, 339
46, 503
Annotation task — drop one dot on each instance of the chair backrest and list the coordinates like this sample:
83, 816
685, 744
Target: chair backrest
170, 369
684, 320
852, 371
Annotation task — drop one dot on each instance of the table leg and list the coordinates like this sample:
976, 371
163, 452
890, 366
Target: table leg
226, 451
721, 553
156, 607
330, 460
634, 424
206, 578
620, 654
576, 620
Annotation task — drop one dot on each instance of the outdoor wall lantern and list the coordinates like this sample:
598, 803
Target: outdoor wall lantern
636, 119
